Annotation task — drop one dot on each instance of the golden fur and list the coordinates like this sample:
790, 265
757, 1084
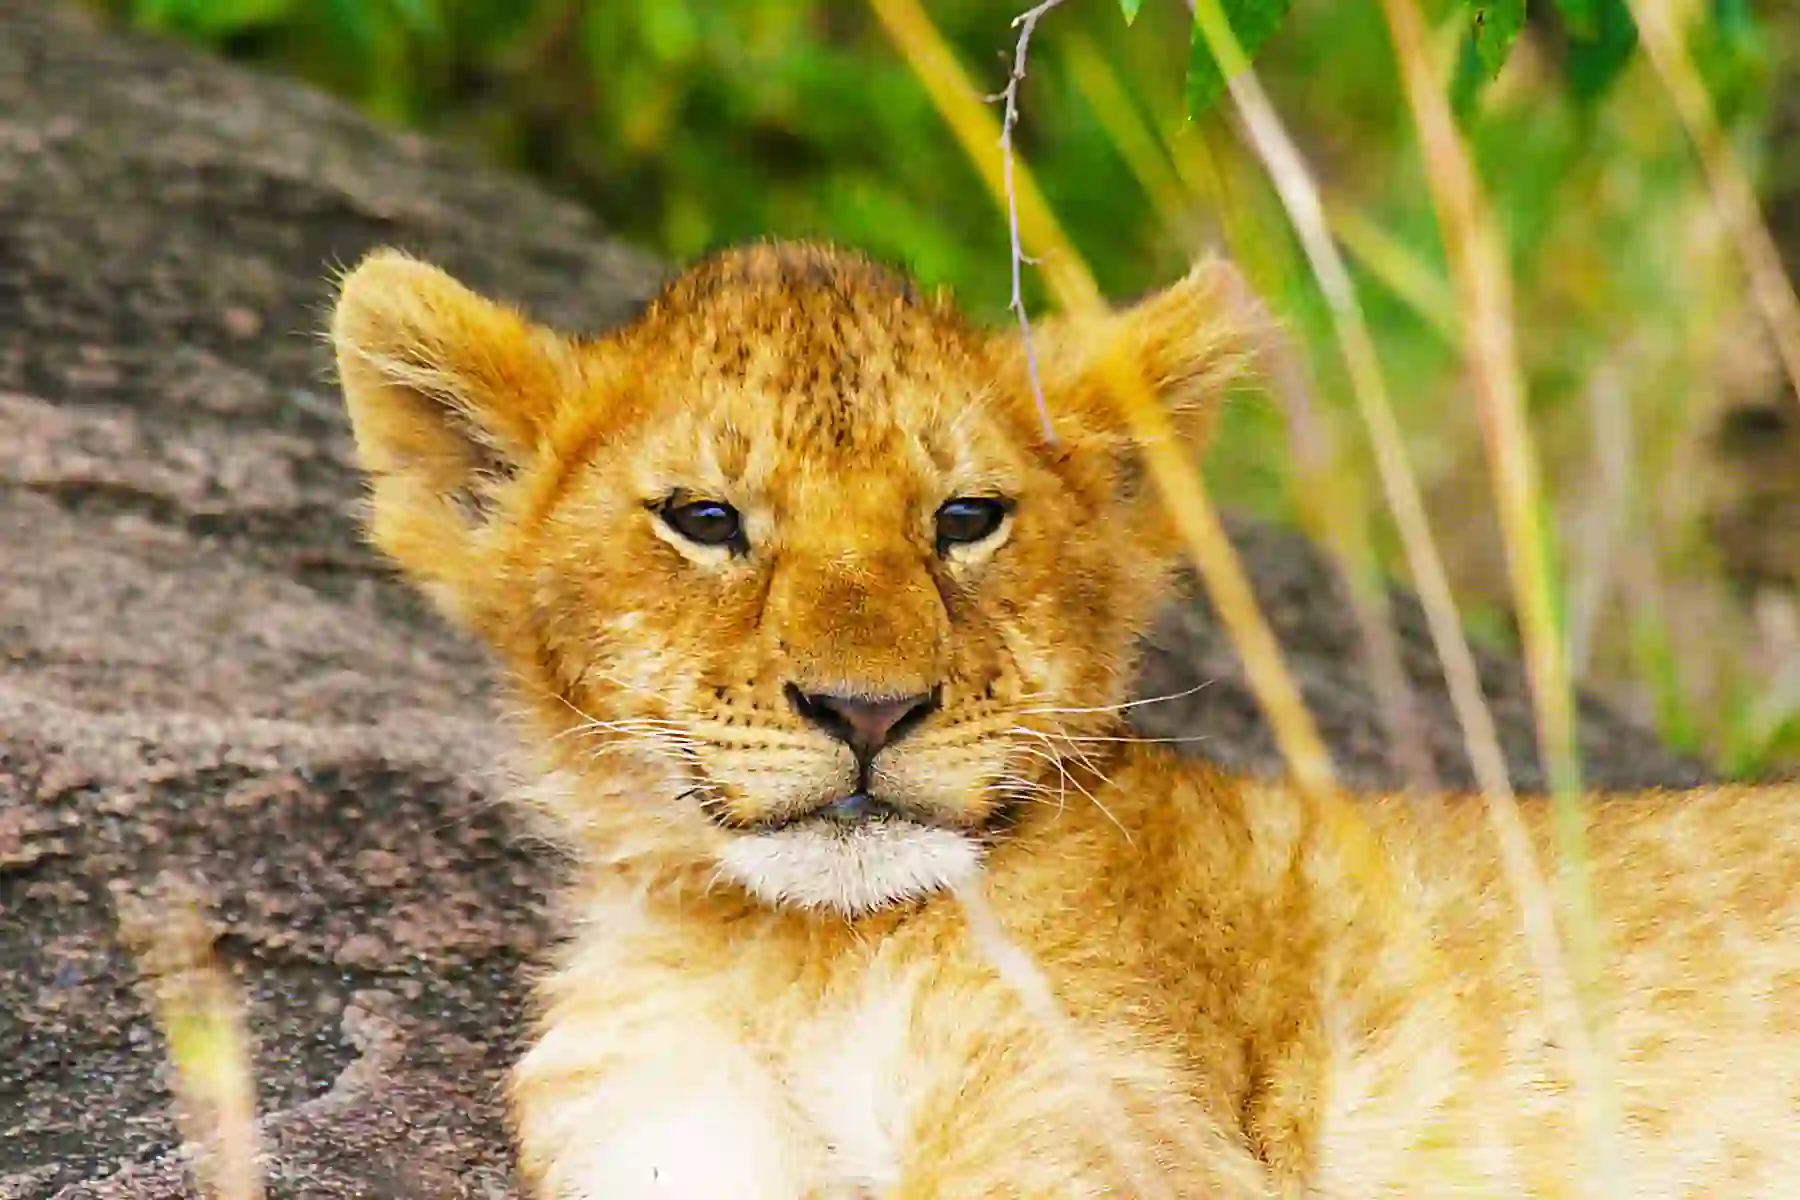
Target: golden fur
1064, 963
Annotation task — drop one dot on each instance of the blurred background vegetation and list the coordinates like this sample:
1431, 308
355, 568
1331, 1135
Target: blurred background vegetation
1669, 440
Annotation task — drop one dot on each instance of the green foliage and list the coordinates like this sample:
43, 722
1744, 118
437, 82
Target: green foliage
1599, 39
688, 124
1602, 37
1582, 17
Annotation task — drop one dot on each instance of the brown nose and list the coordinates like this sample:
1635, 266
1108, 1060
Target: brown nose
864, 724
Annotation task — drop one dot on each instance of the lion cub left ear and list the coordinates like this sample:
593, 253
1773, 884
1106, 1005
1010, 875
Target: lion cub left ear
449, 395
1188, 344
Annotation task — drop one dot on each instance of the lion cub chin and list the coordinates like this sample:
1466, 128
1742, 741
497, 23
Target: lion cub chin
820, 637
851, 871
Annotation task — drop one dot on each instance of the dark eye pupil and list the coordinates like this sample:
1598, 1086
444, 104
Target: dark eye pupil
705, 521
960, 522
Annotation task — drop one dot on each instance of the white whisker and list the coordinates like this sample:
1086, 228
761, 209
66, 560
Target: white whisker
1069, 778
1130, 740
1107, 708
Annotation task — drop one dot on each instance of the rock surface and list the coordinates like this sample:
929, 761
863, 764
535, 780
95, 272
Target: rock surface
201, 669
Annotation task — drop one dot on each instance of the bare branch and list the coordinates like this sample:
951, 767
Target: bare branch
1025, 23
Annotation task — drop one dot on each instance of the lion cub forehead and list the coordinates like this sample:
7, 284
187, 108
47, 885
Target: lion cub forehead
801, 450
823, 357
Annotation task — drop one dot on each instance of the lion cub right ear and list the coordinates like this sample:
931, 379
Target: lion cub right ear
449, 396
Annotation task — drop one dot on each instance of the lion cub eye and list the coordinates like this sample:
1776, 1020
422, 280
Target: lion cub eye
706, 523
969, 519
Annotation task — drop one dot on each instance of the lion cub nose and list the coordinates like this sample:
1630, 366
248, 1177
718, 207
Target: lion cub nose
864, 724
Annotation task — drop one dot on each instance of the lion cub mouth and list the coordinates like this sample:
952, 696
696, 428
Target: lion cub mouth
852, 856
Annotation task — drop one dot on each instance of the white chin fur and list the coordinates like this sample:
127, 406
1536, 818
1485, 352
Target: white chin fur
851, 871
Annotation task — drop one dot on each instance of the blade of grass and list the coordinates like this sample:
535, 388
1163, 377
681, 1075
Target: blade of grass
1137, 144
1332, 506
1395, 265
1074, 290
1482, 281
1608, 510
197, 1006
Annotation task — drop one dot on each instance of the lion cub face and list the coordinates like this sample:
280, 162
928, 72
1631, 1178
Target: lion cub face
787, 573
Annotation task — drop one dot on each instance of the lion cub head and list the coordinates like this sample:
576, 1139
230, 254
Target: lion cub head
788, 576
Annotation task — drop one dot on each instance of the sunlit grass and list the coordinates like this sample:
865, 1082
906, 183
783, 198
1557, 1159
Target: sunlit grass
1327, 490
199, 1009
1660, 24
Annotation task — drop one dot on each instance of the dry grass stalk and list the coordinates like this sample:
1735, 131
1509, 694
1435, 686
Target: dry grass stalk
1325, 488
1395, 264
1732, 195
1482, 283
197, 1005
1603, 525
1073, 287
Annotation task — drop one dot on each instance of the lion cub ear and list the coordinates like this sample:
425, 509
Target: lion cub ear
1190, 343
449, 395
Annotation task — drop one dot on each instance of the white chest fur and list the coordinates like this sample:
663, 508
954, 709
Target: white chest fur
851, 1077
655, 1082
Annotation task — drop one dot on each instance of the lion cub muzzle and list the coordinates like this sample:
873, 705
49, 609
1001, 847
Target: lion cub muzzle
870, 844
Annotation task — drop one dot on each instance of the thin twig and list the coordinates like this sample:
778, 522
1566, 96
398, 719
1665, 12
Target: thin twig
1025, 23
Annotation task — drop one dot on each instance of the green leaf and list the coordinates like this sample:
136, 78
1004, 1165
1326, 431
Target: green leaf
1252, 23
1596, 60
1467, 80
213, 20
1494, 28
1130, 9
420, 17
1581, 17
356, 26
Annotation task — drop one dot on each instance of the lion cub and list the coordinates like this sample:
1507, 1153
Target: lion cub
821, 642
